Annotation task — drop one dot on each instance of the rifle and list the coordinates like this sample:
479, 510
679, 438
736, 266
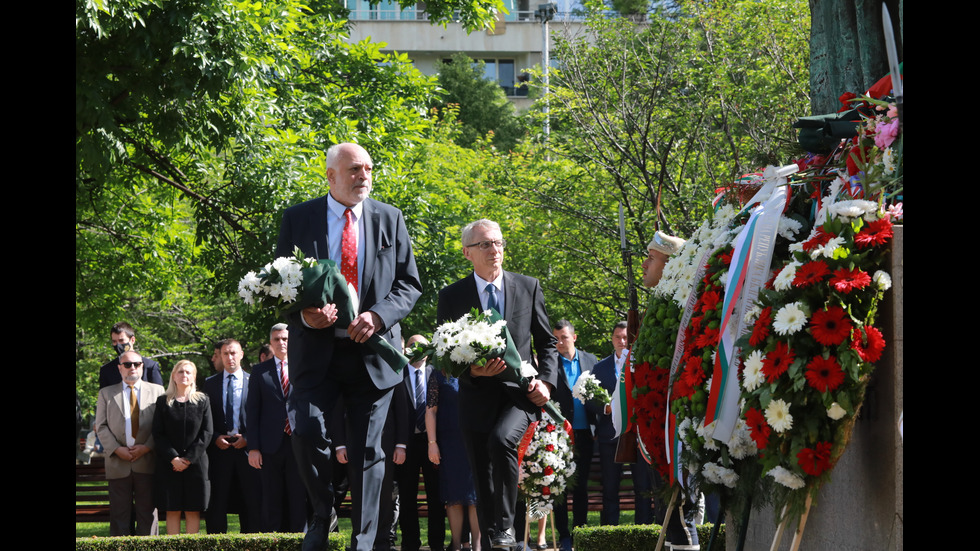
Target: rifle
626, 448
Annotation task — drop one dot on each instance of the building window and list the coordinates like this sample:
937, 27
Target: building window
503, 72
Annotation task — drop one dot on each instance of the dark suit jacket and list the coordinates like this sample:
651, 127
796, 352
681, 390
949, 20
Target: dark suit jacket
265, 409
109, 373
212, 386
605, 371
563, 392
389, 288
527, 319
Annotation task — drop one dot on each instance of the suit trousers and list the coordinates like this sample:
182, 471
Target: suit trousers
493, 458
283, 495
366, 409
611, 474
131, 502
417, 462
235, 486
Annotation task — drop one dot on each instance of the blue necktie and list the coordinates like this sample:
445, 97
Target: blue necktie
230, 404
492, 301
419, 402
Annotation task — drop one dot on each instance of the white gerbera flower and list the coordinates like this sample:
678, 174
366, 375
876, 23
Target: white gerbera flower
778, 416
784, 281
752, 375
789, 319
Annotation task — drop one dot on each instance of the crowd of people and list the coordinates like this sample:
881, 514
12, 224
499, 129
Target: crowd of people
274, 444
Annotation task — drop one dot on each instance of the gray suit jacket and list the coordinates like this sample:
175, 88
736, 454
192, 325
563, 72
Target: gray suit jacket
110, 425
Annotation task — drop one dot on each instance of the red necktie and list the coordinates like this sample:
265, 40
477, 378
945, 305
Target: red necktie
284, 380
348, 250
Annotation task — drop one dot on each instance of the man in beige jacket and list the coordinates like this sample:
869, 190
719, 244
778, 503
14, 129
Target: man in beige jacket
124, 422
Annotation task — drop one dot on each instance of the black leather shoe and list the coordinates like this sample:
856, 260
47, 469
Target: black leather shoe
316, 537
504, 540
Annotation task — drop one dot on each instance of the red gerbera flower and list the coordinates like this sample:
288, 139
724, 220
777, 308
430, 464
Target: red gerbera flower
816, 460
708, 339
659, 379
810, 273
693, 375
831, 326
819, 239
824, 374
761, 328
710, 300
870, 352
777, 362
875, 233
726, 257
682, 389
758, 427
846, 281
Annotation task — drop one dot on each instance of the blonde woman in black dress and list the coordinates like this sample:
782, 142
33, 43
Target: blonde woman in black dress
182, 430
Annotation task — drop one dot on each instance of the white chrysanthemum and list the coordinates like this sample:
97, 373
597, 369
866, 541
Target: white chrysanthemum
741, 445
752, 375
786, 478
828, 249
854, 208
796, 247
463, 354
888, 158
784, 281
836, 412
683, 426
882, 280
751, 313
724, 215
281, 263
789, 227
288, 293
778, 416
790, 319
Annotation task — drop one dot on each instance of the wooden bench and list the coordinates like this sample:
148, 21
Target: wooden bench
91, 492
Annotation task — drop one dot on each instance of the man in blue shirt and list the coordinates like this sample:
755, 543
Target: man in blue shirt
574, 363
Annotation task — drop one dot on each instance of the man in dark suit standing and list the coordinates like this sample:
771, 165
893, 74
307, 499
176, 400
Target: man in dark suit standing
268, 431
494, 416
574, 363
369, 242
415, 389
123, 338
607, 372
232, 480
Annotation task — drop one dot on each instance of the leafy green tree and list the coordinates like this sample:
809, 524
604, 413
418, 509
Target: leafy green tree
482, 104
197, 123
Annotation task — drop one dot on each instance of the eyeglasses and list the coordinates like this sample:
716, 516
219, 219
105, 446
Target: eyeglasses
129, 365
485, 245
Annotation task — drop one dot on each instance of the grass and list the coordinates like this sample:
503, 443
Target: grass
101, 529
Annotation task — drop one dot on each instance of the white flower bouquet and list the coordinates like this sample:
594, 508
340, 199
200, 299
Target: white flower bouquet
290, 284
472, 340
588, 388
